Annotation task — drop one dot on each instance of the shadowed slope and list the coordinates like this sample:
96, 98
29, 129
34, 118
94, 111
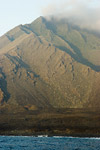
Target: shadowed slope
85, 45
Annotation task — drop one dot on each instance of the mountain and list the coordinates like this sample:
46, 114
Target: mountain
49, 64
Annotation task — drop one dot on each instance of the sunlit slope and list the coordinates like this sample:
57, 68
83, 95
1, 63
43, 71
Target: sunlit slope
50, 64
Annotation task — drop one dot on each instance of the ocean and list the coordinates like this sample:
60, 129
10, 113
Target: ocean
48, 143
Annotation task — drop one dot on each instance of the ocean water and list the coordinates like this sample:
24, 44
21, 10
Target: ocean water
48, 143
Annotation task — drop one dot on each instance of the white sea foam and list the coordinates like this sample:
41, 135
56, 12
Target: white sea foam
94, 138
42, 136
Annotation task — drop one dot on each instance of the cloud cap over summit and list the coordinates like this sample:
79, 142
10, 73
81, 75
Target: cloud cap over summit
82, 13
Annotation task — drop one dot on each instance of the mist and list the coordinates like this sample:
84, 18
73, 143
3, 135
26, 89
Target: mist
85, 14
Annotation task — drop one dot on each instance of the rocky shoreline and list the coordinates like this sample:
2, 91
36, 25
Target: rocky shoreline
55, 122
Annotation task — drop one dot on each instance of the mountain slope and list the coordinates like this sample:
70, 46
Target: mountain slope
50, 64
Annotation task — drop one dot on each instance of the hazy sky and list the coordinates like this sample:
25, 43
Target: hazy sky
15, 12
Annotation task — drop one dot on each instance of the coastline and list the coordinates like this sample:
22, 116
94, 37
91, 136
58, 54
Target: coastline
54, 136
65, 122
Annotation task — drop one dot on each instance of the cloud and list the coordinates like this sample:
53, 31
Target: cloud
85, 13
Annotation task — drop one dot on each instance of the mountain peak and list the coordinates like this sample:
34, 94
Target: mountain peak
57, 66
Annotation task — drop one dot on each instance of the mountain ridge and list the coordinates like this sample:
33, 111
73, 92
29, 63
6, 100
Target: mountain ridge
50, 64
